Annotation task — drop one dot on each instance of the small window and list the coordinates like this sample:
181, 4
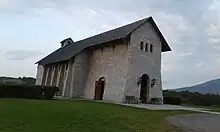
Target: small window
146, 47
151, 47
142, 45
69, 42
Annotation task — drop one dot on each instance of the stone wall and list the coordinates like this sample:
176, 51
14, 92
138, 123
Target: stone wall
55, 75
142, 62
40, 73
80, 74
68, 79
109, 62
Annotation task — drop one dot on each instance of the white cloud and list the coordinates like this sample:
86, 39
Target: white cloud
193, 37
21, 54
5, 4
212, 19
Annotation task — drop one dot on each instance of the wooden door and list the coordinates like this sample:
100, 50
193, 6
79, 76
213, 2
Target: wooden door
97, 90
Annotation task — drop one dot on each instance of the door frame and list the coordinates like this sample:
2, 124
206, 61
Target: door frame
100, 88
144, 88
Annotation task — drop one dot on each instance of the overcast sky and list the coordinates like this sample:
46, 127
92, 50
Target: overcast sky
30, 29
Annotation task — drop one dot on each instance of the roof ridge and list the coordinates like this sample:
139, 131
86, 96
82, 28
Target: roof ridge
120, 32
144, 19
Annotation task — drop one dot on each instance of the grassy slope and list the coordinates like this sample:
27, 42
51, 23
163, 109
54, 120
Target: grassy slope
211, 86
86, 116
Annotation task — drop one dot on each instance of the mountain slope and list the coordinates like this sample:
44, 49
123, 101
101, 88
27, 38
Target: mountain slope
212, 86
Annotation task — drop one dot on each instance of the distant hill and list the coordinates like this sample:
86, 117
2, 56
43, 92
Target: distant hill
212, 86
20, 80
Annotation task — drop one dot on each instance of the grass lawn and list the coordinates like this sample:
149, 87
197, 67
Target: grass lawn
79, 116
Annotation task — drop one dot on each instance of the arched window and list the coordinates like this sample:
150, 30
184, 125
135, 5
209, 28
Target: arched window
146, 47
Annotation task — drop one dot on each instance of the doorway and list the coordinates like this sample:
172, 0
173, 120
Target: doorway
144, 93
100, 88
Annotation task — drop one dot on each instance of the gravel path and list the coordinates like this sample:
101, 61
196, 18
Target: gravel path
197, 123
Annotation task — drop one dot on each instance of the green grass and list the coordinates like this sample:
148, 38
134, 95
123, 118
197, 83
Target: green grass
79, 116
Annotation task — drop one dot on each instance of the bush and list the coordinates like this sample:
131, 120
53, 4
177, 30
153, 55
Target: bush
172, 100
49, 92
156, 101
27, 91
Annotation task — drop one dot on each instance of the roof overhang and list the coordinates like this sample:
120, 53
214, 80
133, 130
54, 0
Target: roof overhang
115, 34
165, 45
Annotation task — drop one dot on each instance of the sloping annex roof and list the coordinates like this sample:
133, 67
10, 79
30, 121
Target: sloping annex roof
69, 51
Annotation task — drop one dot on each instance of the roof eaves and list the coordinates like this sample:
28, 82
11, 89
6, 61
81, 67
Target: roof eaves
163, 40
144, 21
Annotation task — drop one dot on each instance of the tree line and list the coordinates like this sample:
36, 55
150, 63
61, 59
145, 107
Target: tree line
187, 97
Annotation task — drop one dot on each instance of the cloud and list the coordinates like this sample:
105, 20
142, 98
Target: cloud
21, 54
190, 27
195, 54
4, 3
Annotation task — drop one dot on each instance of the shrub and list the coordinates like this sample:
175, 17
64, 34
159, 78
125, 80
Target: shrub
172, 100
49, 92
27, 91
156, 101
16, 91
